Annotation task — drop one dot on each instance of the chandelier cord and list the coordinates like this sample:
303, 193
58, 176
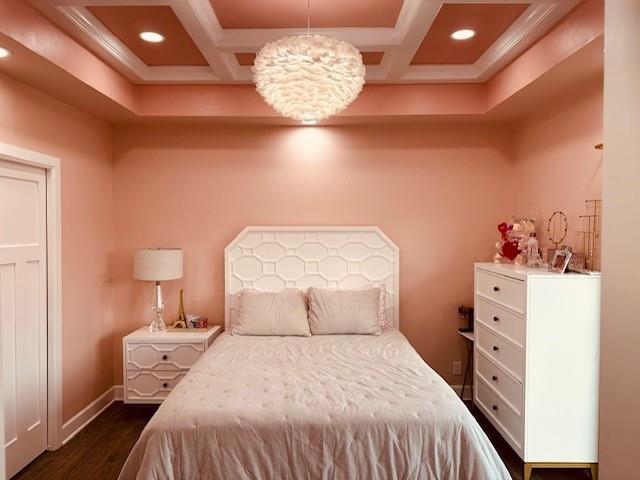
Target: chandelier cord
308, 17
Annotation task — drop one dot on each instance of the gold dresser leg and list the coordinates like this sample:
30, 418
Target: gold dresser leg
594, 471
527, 471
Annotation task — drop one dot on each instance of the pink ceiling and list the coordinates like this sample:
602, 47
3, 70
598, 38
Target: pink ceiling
50, 60
126, 22
293, 13
368, 58
488, 20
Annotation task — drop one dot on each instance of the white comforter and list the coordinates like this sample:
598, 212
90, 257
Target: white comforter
322, 407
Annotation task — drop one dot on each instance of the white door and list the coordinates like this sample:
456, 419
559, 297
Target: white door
23, 312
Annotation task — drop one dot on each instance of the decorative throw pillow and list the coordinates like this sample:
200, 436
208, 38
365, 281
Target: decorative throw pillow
382, 307
272, 313
344, 311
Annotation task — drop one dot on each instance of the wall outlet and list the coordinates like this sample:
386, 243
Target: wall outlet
457, 368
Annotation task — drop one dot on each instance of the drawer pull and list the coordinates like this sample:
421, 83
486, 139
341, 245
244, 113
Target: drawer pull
494, 407
496, 319
495, 348
164, 357
496, 289
165, 385
494, 378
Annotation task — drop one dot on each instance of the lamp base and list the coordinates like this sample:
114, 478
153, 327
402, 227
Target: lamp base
157, 325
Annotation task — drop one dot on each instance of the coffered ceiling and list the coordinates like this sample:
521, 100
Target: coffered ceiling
215, 41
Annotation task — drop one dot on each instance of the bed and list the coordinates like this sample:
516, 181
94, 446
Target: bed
319, 407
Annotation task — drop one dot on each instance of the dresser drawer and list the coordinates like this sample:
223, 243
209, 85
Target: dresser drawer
503, 353
162, 356
147, 387
503, 321
500, 381
506, 291
499, 413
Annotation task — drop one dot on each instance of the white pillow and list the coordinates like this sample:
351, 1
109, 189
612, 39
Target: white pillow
272, 313
344, 311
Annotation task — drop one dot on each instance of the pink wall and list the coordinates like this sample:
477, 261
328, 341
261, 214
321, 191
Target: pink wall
438, 191
35, 121
556, 165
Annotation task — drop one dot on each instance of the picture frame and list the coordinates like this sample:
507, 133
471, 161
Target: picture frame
560, 260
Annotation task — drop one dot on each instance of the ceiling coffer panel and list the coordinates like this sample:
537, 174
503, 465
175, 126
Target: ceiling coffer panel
214, 41
127, 22
488, 20
293, 13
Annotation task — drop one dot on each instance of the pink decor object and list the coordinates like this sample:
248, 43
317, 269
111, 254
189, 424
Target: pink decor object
507, 247
510, 250
202, 323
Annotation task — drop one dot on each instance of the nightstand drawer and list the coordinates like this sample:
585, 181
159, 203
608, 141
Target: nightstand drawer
146, 387
503, 321
506, 291
500, 351
162, 356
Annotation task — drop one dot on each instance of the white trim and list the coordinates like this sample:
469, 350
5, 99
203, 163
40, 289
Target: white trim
467, 392
54, 283
87, 415
414, 29
200, 22
119, 393
399, 43
523, 33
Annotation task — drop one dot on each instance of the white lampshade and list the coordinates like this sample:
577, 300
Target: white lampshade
157, 264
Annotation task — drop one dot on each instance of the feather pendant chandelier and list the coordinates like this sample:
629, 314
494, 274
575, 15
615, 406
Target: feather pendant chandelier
308, 77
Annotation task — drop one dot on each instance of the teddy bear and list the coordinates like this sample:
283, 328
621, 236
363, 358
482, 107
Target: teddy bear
513, 240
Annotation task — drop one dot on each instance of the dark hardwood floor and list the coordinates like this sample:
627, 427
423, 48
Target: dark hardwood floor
100, 450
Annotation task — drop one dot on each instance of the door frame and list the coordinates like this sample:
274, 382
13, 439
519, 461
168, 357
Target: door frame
51, 165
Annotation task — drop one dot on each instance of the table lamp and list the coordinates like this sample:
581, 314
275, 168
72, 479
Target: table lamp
157, 265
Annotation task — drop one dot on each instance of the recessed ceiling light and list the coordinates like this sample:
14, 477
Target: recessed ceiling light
310, 122
4, 53
152, 37
464, 34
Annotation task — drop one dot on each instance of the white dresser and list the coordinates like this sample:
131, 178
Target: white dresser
154, 362
536, 361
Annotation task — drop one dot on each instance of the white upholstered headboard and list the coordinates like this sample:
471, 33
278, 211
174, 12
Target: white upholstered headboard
274, 258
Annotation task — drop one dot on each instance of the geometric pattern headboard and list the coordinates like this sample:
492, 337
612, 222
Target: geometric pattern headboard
274, 258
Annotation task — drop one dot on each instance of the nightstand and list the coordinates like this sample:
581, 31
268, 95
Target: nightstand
154, 362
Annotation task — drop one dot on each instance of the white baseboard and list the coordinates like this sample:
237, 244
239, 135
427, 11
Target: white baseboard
85, 416
119, 392
458, 389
